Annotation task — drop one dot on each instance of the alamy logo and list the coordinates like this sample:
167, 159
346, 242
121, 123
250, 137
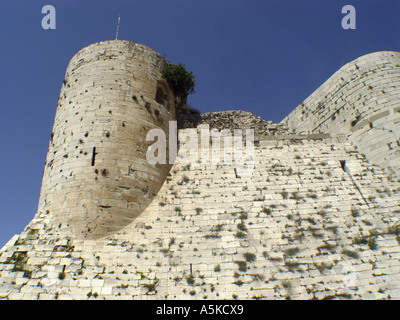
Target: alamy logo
349, 20
49, 20
226, 148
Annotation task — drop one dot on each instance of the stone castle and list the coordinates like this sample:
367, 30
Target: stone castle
318, 218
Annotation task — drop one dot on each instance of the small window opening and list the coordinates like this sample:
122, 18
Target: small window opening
343, 164
93, 156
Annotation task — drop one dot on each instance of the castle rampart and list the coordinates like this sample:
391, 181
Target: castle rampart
313, 218
360, 101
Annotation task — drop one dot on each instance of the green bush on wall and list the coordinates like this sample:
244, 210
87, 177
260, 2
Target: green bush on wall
180, 80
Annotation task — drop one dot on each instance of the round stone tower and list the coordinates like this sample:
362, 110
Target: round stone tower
96, 178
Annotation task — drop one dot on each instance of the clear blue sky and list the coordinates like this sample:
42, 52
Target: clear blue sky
262, 56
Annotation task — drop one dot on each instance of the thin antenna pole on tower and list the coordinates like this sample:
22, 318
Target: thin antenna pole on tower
116, 34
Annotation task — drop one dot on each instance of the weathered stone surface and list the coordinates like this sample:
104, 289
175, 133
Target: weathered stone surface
96, 163
360, 101
237, 119
298, 233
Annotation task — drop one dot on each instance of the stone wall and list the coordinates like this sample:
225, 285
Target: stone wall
360, 101
238, 119
96, 178
300, 227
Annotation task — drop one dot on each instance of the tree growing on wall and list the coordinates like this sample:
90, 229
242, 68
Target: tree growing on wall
179, 80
